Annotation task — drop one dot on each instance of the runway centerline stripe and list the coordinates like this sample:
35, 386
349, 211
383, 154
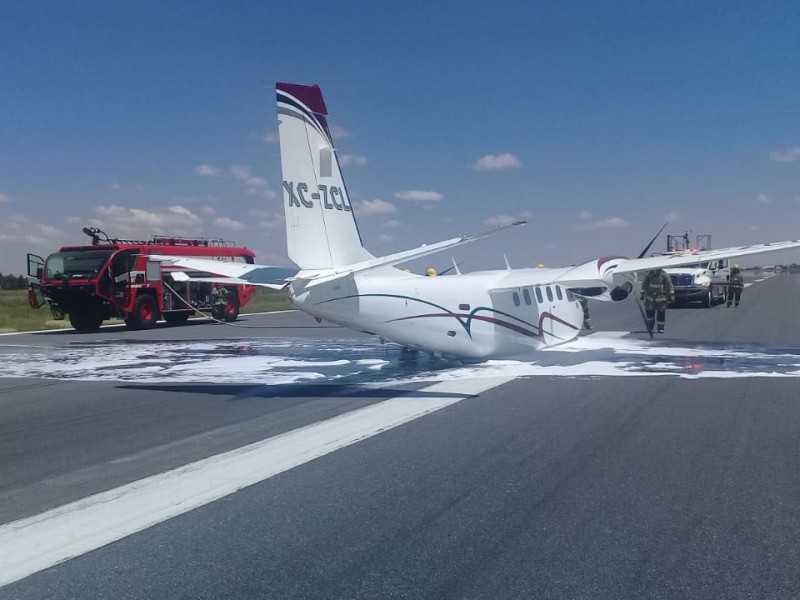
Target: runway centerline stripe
31, 545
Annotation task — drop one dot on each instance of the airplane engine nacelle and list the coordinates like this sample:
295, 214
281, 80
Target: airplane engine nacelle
621, 292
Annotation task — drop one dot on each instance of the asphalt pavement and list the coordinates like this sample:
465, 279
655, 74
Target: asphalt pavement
620, 468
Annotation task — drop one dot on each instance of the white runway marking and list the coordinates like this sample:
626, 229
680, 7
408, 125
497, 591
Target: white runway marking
31, 545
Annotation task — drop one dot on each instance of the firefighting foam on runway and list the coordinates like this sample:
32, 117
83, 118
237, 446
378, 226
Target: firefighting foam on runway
366, 362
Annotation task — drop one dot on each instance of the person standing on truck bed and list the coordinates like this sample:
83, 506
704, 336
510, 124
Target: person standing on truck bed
657, 290
735, 285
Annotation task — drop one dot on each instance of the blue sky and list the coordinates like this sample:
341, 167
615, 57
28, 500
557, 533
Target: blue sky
594, 121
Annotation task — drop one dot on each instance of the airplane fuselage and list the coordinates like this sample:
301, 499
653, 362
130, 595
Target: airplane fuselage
469, 316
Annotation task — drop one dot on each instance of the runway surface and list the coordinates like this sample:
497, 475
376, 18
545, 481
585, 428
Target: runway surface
289, 459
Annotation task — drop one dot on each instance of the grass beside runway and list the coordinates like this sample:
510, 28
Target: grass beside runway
16, 315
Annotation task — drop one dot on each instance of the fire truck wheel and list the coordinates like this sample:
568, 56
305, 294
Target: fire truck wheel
85, 321
232, 309
145, 313
178, 317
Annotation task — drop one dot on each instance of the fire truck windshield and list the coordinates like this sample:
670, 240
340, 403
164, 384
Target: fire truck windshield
67, 265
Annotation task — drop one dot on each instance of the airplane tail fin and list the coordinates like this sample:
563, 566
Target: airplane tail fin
321, 229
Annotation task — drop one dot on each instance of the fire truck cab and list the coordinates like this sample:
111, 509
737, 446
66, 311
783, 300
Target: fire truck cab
121, 278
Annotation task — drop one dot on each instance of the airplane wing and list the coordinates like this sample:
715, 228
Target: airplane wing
689, 258
424, 250
280, 277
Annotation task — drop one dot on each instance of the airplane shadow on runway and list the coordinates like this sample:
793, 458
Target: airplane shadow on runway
240, 323
362, 383
330, 391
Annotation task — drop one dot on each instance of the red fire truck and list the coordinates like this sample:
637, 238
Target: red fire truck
120, 278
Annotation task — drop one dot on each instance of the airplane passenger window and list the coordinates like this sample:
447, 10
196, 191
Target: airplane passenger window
558, 293
539, 298
515, 295
549, 293
526, 295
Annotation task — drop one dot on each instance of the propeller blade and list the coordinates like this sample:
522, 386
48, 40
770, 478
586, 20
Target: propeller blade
455, 266
644, 318
655, 237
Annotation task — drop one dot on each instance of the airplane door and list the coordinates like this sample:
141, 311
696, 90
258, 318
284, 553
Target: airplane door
549, 322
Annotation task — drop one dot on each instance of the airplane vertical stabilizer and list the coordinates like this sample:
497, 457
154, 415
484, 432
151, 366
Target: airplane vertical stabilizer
321, 230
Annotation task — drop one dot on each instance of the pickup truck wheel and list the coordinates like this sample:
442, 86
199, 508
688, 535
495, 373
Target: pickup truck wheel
145, 313
707, 300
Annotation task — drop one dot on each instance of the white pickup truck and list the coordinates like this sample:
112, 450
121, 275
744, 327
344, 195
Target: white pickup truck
706, 283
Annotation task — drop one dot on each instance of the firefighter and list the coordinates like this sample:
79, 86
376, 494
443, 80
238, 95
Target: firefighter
657, 290
219, 299
735, 285
587, 322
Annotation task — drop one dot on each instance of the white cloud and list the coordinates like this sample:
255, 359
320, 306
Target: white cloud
673, 217
385, 238
20, 234
497, 162
114, 187
602, 224
4, 199
208, 211
419, 196
753, 227
392, 224
785, 155
139, 223
253, 185
270, 137
369, 208
268, 220
184, 213
764, 199
208, 171
338, 132
501, 220
584, 215
352, 160
230, 224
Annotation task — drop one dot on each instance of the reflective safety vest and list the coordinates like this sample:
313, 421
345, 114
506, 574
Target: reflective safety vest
737, 281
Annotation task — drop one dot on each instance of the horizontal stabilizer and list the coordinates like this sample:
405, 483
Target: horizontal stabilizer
239, 273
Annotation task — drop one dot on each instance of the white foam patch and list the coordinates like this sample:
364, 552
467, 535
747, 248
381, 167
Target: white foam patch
366, 362
642, 347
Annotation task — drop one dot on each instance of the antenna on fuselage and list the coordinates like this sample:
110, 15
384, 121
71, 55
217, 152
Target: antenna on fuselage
505, 258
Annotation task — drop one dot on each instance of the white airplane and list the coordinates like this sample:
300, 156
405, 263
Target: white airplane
477, 315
